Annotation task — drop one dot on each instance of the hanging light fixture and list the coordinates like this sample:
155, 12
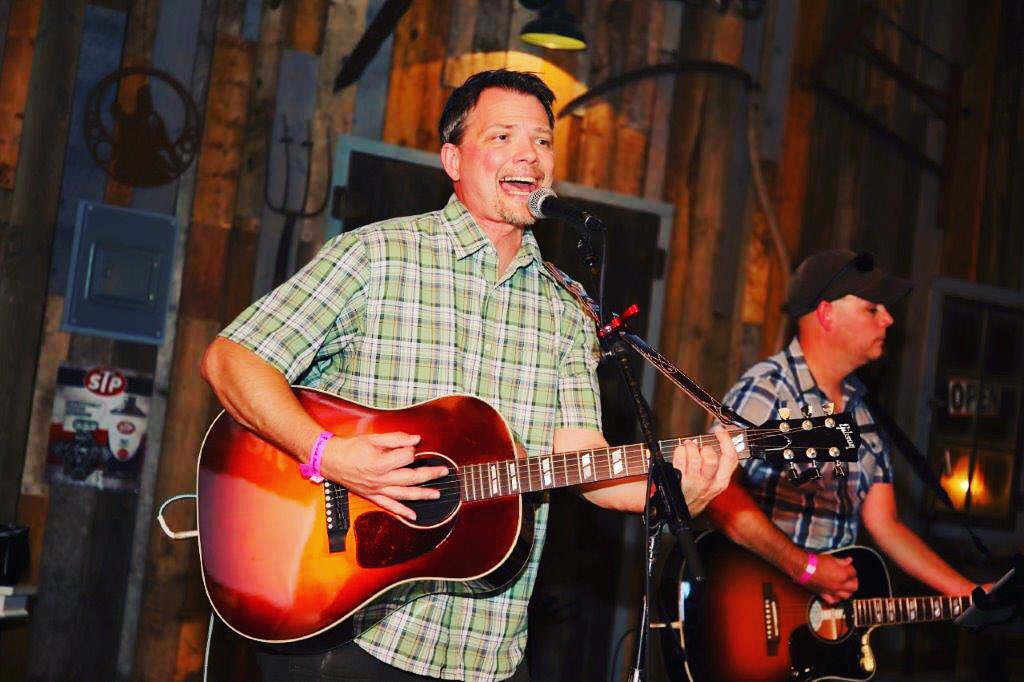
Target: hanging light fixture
554, 28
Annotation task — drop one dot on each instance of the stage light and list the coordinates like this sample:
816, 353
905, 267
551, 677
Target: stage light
554, 28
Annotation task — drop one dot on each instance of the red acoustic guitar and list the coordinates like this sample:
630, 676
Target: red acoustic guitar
287, 562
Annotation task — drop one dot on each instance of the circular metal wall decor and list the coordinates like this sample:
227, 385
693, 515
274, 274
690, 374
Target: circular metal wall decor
135, 146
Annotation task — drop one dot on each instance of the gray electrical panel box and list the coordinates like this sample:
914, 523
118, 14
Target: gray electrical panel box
120, 273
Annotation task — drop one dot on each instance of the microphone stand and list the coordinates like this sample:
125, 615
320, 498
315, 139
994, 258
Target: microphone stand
665, 504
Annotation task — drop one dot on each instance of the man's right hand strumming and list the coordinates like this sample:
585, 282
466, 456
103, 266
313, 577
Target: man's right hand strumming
834, 579
376, 466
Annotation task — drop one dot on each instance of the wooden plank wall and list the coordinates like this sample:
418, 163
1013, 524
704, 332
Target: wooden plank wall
654, 139
22, 24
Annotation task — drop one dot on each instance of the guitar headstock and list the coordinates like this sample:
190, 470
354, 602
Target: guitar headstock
814, 440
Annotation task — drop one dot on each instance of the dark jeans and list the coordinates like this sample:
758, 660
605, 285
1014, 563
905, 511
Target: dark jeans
347, 663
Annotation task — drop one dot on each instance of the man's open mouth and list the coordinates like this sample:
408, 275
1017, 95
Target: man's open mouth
519, 184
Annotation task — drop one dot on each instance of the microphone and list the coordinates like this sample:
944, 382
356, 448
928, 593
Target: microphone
544, 203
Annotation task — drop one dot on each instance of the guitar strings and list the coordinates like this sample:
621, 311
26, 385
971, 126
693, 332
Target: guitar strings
635, 455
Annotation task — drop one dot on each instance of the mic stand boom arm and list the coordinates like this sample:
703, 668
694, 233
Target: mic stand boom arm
666, 504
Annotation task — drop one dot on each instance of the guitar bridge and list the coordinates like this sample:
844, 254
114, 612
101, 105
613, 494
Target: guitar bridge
336, 507
771, 620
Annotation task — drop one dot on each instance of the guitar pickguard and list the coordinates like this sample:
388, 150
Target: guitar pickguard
382, 540
812, 659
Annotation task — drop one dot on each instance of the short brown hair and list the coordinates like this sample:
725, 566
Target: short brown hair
464, 98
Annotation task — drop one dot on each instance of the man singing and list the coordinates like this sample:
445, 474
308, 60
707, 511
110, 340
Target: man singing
452, 301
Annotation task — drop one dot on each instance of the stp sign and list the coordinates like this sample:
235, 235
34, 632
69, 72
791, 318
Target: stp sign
105, 382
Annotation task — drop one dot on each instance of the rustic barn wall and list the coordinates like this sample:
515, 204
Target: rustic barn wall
832, 182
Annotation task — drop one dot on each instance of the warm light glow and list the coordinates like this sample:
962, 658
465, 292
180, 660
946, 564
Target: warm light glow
957, 484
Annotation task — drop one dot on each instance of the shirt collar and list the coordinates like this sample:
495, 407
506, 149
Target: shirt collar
467, 237
853, 387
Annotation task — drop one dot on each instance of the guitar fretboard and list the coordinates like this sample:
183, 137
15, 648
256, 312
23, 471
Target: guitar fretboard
898, 610
530, 474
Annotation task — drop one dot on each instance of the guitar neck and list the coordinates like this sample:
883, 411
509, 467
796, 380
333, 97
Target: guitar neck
558, 470
900, 610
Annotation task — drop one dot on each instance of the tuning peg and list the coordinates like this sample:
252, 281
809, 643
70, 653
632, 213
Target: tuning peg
815, 472
829, 408
805, 410
833, 452
794, 473
839, 471
784, 412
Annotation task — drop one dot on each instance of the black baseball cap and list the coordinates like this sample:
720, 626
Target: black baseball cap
830, 275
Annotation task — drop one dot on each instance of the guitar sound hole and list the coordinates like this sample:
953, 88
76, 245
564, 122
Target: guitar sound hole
432, 512
830, 623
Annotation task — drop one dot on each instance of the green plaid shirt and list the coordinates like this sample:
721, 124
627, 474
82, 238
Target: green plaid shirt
409, 309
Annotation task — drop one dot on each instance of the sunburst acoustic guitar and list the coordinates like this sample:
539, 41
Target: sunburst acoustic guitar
749, 621
287, 562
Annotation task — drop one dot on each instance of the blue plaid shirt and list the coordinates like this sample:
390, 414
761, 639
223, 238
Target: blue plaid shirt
823, 514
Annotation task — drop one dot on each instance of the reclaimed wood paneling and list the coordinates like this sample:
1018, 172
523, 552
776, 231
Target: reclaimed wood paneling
596, 144
170, 569
5, 15
172, 595
26, 241
1001, 238
695, 183
82, 178
768, 118
306, 32
23, 22
165, 367
53, 351
245, 236
140, 35
416, 95
69, 519
259, 117
296, 108
15, 641
967, 187
175, 47
709, 187
372, 90
335, 112
640, 34
220, 160
793, 166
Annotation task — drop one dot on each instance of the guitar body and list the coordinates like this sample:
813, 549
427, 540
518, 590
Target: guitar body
749, 621
304, 566
268, 566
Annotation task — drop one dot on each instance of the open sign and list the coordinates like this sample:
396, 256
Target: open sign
968, 397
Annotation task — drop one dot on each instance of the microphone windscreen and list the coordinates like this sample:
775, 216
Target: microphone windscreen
537, 197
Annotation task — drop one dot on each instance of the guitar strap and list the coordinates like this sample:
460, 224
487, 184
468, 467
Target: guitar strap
698, 394
587, 304
919, 463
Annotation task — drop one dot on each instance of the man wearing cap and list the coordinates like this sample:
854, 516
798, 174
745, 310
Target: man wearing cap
839, 301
